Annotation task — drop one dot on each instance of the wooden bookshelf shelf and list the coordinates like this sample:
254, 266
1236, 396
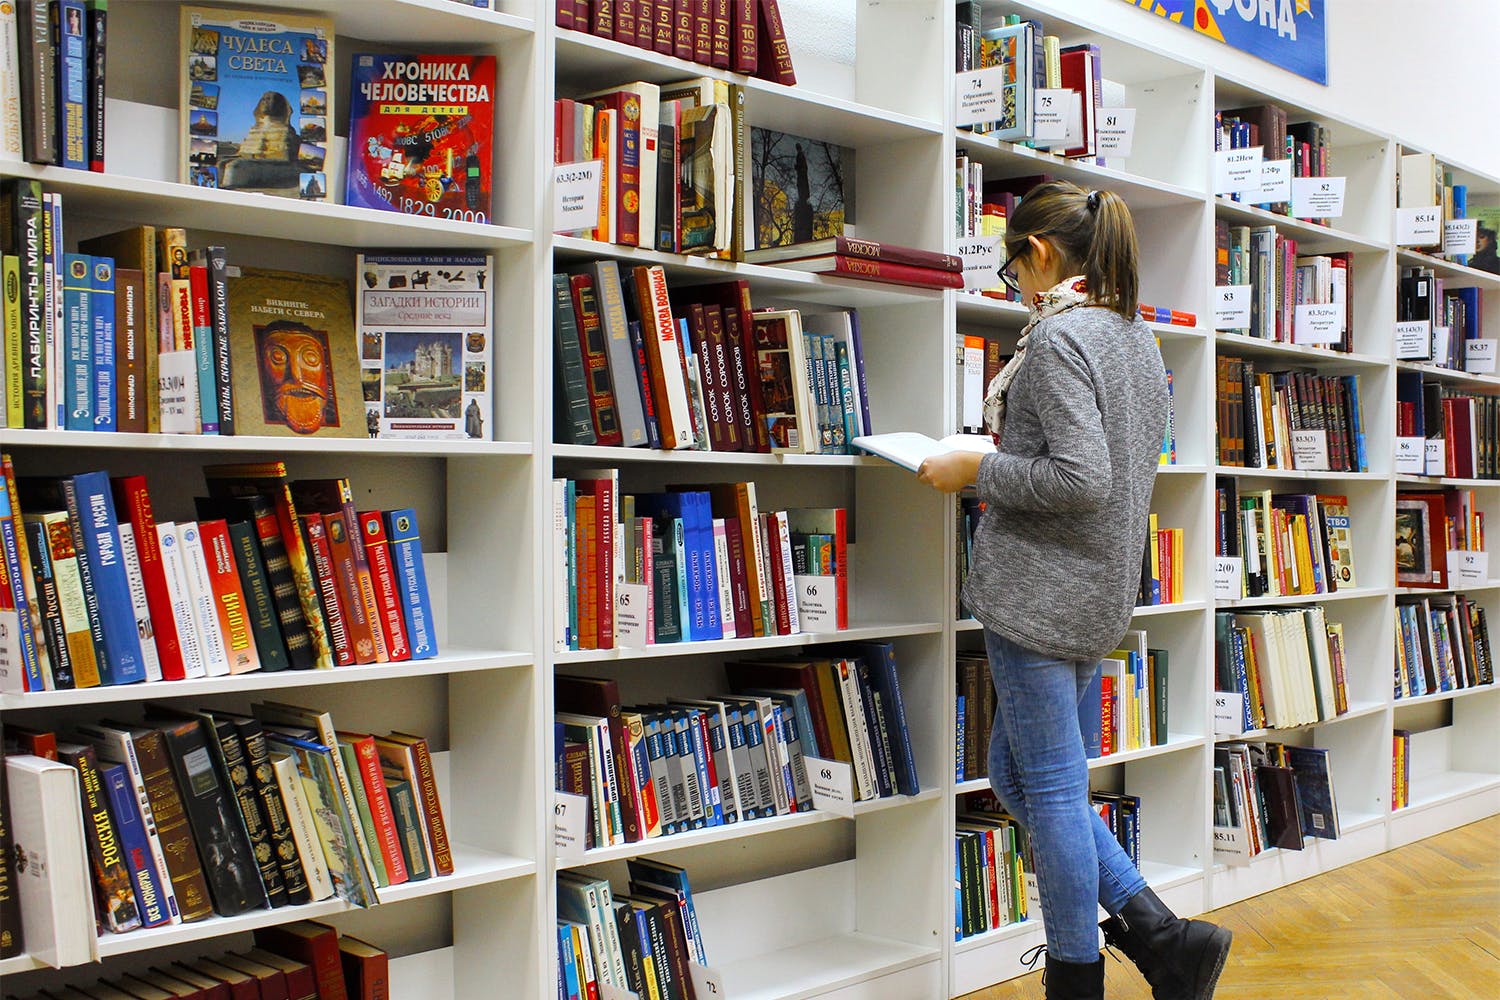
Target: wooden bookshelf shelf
1472, 380
611, 455
1246, 472
1343, 594
1176, 743
1410, 701
1357, 710
1182, 607
1454, 275
822, 966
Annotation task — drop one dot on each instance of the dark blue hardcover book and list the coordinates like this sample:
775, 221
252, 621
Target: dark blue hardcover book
674, 880
959, 745
90, 502
568, 976
102, 321
1242, 677
883, 771
411, 583
72, 84
134, 846
78, 343
700, 618
881, 659
1314, 791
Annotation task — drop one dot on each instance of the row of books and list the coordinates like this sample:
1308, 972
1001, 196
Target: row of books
303, 960
1269, 795
193, 814
644, 942
1288, 419
52, 78
744, 36
1433, 526
658, 770
1442, 644
993, 871
639, 365
138, 333
272, 575
1452, 316
1465, 424
1287, 543
1163, 566
1422, 180
1307, 145
1286, 664
1280, 280
1400, 768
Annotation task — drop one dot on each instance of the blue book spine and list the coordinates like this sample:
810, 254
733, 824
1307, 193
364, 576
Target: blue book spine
684, 749
78, 343
571, 501
1091, 717
701, 508
959, 744
846, 394
958, 885
203, 350
679, 543
59, 315
133, 844
102, 317
856, 349
877, 745
881, 656
72, 84
1357, 418
713, 802
11, 541
416, 606
1461, 211
1242, 679
569, 975
90, 494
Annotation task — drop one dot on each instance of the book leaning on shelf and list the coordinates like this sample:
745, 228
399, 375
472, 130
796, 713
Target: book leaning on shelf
104, 593
1287, 543
1288, 419
1442, 644
1270, 795
193, 814
1163, 565
689, 764
1287, 665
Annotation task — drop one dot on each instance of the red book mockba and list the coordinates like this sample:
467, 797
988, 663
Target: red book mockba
133, 500
774, 56
877, 270
229, 597
745, 30
722, 39
356, 621
326, 578
383, 576
682, 29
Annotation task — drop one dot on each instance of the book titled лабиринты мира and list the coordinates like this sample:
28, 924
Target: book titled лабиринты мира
420, 128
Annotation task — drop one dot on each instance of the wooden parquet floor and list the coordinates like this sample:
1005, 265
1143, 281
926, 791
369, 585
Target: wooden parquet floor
1418, 923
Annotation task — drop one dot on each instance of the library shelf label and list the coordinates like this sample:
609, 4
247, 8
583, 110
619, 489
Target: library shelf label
1411, 459
981, 258
1319, 322
1317, 197
1437, 463
1460, 235
1115, 132
1275, 182
1237, 171
1468, 568
1229, 713
817, 603
575, 195
1231, 846
1479, 356
1232, 307
1310, 450
177, 378
832, 786
1227, 576
1052, 110
981, 96
1421, 226
568, 818
1413, 340
631, 602
708, 982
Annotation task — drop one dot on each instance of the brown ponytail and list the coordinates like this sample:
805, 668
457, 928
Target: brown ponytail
1094, 233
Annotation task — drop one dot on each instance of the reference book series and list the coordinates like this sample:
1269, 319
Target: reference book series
1287, 664
1270, 795
1422, 181
52, 82
1442, 644
195, 814
644, 941
657, 770
641, 365
743, 36
271, 575
1280, 280
1288, 543
1264, 417
1307, 145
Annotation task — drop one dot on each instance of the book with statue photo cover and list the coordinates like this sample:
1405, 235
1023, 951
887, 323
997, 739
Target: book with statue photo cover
256, 98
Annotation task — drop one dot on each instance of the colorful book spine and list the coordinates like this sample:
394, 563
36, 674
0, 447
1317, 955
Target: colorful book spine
383, 576
411, 582
89, 502
78, 343
328, 588
229, 597
19, 605
98, 33
72, 84
203, 348
102, 336
135, 848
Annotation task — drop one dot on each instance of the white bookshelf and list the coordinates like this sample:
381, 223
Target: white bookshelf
809, 905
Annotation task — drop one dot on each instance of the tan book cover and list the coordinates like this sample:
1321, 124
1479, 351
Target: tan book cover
294, 356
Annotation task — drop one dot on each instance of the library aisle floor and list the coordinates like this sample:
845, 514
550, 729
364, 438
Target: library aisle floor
1419, 922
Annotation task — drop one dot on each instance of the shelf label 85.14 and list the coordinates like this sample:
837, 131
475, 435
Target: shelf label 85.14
1421, 226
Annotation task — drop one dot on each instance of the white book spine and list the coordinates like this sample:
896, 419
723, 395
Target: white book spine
137, 584
201, 596
659, 314
611, 932
726, 586
10, 84
788, 585
182, 603
859, 731
299, 818
56, 889
775, 755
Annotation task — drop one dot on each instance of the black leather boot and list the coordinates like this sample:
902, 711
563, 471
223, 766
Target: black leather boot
1181, 959
1073, 980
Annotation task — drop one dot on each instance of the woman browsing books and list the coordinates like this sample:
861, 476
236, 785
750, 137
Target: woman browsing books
1078, 414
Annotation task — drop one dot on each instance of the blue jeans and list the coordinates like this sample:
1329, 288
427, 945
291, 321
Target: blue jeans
1040, 773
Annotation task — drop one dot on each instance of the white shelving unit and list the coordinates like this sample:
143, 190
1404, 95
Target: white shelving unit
810, 905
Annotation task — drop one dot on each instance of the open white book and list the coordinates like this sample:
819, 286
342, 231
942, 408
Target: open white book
908, 449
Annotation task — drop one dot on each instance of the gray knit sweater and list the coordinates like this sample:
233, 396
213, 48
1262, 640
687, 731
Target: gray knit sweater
1057, 555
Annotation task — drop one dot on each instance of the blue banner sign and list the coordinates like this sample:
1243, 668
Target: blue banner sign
1292, 34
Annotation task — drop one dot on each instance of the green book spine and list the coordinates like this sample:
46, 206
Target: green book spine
365, 822
409, 828
1159, 695
260, 602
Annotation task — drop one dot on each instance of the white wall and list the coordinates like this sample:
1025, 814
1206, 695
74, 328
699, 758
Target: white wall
1424, 70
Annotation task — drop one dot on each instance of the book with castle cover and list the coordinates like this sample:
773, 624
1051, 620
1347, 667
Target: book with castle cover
426, 345
293, 355
257, 97
420, 128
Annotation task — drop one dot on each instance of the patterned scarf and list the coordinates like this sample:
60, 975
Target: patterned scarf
1064, 295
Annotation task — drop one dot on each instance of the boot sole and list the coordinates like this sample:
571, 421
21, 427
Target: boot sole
1212, 963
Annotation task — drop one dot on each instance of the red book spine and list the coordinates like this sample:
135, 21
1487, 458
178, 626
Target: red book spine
604, 557
132, 497
317, 946
346, 573
432, 807
849, 246
740, 381
328, 589
703, 31
744, 48
721, 41
774, 56
645, 24
581, 15
841, 564
1106, 716
229, 597
994, 886
665, 25
742, 328
584, 572
381, 813
739, 578
719, 377
772, 530
698, 331
565, 13
682, 29
383, 576
595, 362
895, 274
198, 286
603, 23
625, 15
627, 142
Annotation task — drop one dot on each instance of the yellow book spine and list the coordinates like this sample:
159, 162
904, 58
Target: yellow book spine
10, 273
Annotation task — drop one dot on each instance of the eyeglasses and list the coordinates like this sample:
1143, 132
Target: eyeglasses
1008, 273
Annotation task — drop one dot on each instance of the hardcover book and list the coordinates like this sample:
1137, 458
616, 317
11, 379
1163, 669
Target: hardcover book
420, 129
803, 189
293, 355
426, 345
255, 88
